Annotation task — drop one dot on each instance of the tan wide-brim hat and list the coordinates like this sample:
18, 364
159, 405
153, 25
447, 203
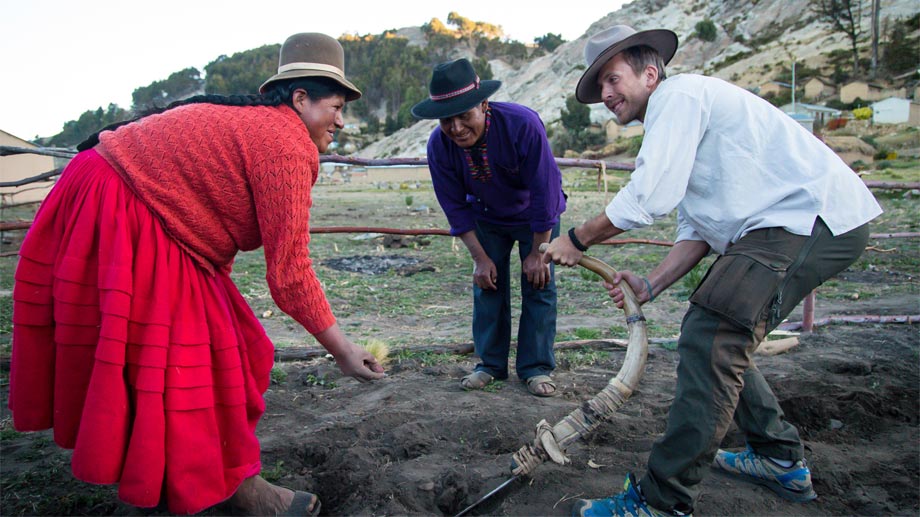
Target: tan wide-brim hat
609, 42
311, 54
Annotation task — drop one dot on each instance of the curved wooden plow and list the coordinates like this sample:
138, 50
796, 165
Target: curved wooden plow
552, 441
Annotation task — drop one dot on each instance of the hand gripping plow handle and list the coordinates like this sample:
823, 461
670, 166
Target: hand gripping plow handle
552, 441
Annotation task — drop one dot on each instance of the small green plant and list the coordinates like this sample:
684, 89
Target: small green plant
322, 382
494, 386
8, 434
669, 345
692, 279
581, 357
409, 200
587, 333
278, 375
40, 442
6, 314
587, 274
423, 358
618, 331
275, 473
663, 331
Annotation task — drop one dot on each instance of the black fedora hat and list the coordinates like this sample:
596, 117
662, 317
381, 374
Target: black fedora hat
454, 89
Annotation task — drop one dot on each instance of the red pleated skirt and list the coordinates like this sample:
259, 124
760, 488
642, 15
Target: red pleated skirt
150, 368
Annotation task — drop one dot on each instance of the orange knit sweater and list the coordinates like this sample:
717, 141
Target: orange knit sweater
224, 179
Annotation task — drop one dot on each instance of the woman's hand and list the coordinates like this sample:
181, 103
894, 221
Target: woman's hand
636, 282
353, 360
357, 362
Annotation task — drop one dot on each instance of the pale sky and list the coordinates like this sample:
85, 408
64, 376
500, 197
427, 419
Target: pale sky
64, 57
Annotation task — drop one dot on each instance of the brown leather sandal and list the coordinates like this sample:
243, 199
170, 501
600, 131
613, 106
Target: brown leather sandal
534, 383
476, 380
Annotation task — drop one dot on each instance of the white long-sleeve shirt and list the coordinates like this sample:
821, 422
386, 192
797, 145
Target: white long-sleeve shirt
732, 163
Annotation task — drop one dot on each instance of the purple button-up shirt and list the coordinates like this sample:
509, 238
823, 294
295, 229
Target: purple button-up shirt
525, 185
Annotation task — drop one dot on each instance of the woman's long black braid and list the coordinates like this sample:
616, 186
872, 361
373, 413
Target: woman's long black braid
281, 92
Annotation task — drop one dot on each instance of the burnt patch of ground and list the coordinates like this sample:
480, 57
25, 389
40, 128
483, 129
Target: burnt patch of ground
371, 264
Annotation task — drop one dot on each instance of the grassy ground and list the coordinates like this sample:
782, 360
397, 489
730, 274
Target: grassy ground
401, 306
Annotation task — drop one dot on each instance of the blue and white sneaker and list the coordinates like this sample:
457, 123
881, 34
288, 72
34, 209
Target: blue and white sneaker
792, 483
628, 503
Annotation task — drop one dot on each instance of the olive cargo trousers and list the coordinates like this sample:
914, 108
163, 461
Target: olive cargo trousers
746, 293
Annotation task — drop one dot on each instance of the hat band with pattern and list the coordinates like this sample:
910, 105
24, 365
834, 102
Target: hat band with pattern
455, 88
468, 88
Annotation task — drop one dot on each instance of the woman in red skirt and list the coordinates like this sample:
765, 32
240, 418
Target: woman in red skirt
129, 338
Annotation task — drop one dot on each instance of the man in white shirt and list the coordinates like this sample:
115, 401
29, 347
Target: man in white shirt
780, 208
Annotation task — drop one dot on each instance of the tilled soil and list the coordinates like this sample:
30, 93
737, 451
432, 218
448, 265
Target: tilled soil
416, 444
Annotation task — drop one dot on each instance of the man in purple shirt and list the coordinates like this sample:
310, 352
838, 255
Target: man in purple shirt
496, 179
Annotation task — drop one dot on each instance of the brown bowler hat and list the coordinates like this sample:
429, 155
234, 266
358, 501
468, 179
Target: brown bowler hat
311, 54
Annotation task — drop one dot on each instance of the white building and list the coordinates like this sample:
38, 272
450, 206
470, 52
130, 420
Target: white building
892, 110
810, 115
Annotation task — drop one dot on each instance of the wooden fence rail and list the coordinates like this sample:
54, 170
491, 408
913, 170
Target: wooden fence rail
601, 165
6, 150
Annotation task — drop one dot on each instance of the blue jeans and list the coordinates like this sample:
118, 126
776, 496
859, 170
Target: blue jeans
492, 309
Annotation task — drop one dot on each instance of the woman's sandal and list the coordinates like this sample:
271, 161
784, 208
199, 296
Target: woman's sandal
534, 383
300, 506
476, 380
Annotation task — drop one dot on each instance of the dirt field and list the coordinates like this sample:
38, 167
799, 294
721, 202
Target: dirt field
416, 444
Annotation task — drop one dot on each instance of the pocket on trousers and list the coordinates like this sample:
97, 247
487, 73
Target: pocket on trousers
743, 284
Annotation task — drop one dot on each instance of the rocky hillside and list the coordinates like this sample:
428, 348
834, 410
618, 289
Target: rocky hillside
758, 38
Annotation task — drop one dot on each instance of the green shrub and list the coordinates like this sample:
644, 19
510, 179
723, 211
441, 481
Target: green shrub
706, 30
635, 143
